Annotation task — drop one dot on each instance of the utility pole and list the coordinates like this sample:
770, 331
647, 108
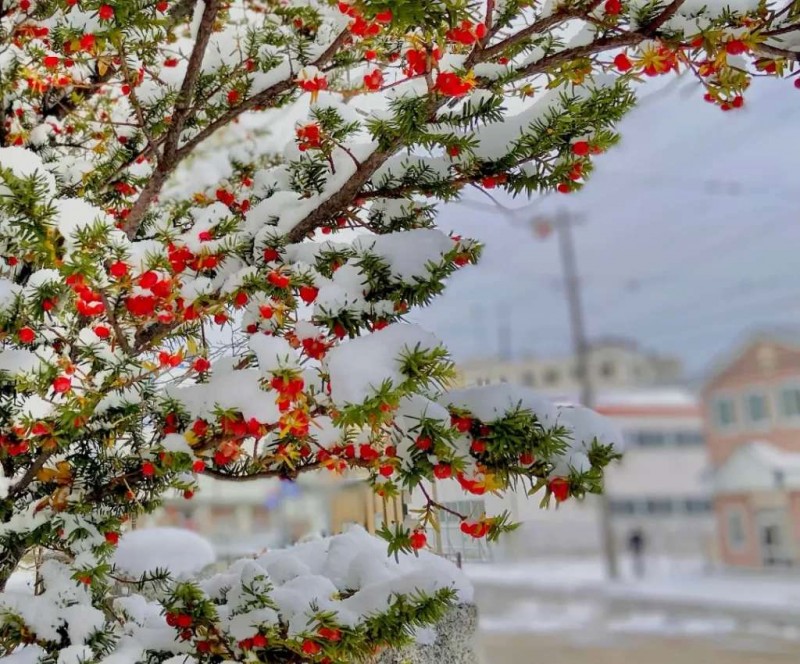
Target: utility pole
563, 223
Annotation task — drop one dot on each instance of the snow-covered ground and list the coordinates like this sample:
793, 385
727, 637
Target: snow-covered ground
676, 598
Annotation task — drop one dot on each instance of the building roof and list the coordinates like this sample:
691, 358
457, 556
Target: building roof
788, 336
642, 401
758, 466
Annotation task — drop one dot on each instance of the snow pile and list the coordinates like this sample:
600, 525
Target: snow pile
181, 552
229, 389
349, 575
359, 367
493, 402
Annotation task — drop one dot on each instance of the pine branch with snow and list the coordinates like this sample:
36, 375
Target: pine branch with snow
214, 218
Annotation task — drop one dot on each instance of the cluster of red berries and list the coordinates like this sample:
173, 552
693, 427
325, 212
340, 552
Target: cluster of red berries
417, 60
227, 198
13, 447
89, 302
476, 529
254, 642
309, 136
373, 81
466, 33
451, 84
360, 26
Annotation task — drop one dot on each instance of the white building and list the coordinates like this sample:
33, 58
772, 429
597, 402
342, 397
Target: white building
613, 365
660, 487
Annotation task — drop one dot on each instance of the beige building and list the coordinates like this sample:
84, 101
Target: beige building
240, 518
613, 364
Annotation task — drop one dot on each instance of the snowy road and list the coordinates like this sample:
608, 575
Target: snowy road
566, 613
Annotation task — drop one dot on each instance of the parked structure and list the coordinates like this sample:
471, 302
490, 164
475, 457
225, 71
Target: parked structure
752, 419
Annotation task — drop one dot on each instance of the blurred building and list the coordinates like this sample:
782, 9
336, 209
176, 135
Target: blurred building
613, 364
752, 418
241, 518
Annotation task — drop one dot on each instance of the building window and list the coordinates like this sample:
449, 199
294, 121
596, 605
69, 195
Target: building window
551, 377
696, 506
724, 413
756, 406
689, 438
528, 379
790, 401
660, 506
607, 370
735, 531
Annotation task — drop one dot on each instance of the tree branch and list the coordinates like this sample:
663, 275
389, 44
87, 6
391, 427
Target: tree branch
168, 159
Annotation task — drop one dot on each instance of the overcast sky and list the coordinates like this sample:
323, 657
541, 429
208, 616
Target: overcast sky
691, 237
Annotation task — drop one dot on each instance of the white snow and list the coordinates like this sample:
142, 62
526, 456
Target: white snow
181, 552
492, 402
24, 163
358, 367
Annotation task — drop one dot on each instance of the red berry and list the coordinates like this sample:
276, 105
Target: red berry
384, 16
62, 384
735, 47
199, 466
308, 293
241, 299
462, 424
418, 539
311, 647
478, 446
738, 101
424, 443
559, 487
118, 269
442, 471
112, 537
162, 6
580, 148
330, 633
563, 188
526, 458
233, 97
613, 7
259, 641
184, 620
87, 42
201, 364
51, 61
102, 331
26, 335
622, 62
148, 469
106, 12
386, 471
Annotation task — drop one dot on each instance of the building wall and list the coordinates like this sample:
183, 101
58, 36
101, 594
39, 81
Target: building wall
611, 366
763, 368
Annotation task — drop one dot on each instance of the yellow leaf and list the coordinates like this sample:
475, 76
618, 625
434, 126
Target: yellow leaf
191, 346
191, 437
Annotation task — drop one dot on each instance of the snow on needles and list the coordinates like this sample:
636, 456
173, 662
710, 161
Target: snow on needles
359, 367
318, 573
181, 552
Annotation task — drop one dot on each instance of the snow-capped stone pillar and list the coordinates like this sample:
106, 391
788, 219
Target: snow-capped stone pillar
454, 642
